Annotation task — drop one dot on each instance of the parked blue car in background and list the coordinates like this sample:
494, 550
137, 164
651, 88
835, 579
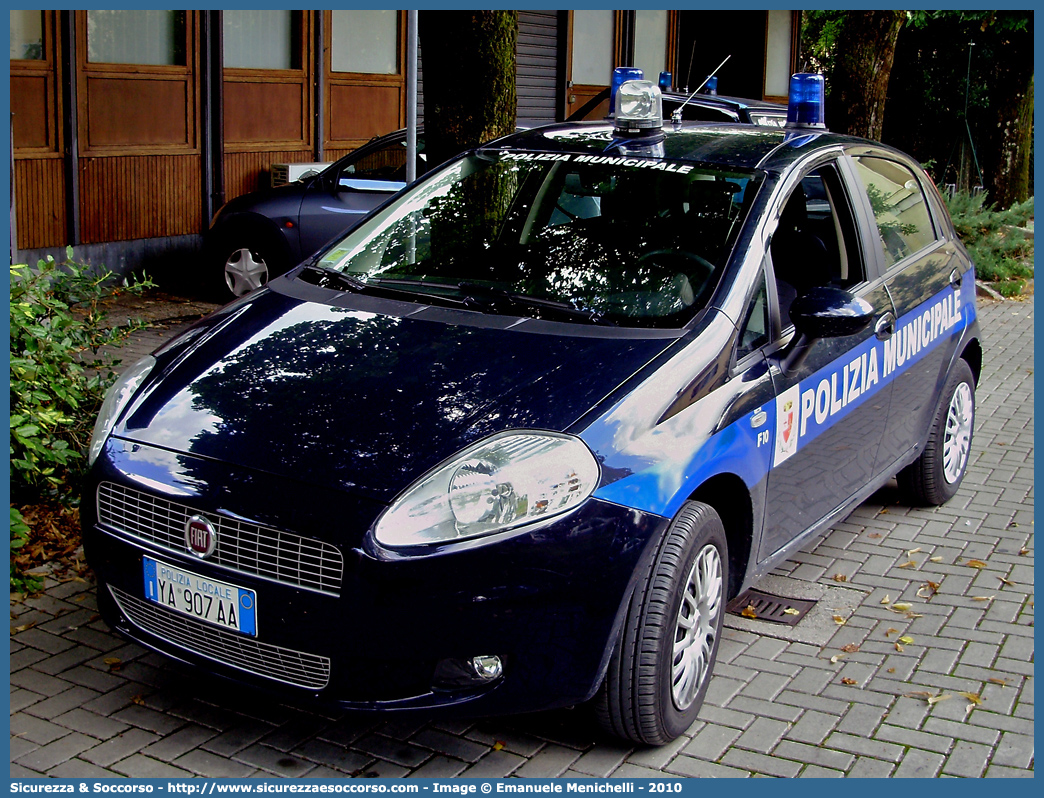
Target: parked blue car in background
515, 440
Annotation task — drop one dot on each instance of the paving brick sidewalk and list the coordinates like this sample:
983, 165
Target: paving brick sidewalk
834, 700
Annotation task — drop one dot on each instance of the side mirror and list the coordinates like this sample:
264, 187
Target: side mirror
823, 312
827, 312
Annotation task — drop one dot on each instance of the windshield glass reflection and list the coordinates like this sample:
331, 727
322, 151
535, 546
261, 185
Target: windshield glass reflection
640, 242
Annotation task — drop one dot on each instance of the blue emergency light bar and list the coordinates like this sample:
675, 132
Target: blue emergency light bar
807, 98
620, 76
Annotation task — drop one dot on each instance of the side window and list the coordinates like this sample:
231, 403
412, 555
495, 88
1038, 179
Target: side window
755, 331
387, 163
898, 205
815, 243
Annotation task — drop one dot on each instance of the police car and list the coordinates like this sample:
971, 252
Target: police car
517, 438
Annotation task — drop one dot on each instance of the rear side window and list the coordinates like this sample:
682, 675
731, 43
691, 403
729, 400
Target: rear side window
899, 207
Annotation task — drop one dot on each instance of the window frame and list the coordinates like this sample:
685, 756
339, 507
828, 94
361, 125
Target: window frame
49, 69
88, 71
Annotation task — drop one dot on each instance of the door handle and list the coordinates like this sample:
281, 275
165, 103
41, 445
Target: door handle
885, 327
956, 278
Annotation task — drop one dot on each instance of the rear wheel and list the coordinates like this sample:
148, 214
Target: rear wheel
661, 665
937, 474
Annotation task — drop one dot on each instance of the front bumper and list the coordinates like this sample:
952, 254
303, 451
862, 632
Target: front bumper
547, 602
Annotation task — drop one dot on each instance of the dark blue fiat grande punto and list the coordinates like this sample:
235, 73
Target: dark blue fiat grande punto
514, 441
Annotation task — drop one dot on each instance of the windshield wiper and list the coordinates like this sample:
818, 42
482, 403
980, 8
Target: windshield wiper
328, 278
488, 298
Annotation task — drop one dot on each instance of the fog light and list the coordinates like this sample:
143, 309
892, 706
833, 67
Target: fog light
457, 674
487, 668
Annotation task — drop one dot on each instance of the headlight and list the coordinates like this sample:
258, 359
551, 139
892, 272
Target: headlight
505, 481
115, 400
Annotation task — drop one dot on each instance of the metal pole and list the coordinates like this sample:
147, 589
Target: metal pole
411, 96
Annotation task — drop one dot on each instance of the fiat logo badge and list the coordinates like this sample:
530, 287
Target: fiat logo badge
200, 537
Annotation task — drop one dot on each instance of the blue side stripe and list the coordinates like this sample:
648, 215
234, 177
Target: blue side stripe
662, 472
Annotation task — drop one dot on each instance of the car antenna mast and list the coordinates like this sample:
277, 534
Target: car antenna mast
676, 115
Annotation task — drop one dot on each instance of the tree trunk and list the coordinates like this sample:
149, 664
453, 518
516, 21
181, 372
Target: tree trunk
1004, 150
469, 78
865, 49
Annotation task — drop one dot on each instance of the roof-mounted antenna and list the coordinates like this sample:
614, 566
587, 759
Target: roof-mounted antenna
677, 113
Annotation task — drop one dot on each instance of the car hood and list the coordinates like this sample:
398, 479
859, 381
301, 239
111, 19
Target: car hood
368, 394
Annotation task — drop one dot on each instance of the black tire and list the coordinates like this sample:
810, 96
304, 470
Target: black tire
638, 699
934, 477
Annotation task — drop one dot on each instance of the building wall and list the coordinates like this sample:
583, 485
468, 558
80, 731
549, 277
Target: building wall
108, 149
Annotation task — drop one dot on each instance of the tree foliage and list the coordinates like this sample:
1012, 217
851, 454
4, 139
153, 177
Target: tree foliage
932, 81
979, 60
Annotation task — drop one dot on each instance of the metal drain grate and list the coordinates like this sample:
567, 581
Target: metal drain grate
766, 607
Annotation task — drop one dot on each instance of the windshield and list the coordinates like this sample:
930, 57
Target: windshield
629, 241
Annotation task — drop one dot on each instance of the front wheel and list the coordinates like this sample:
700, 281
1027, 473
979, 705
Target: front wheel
936, 475
661, 664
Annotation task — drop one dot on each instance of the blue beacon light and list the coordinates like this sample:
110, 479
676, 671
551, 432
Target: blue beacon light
807, 98
620, 76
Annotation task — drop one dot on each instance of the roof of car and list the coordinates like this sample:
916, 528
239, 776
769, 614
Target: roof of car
718, 144
724, 101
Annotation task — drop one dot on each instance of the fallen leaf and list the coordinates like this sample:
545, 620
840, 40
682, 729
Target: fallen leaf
906, 639
1023, 552
23, 627
498, 746
976, 564
891, 670
112, 660
918, 694
748, 612
138, 700
975, 698
901, 606
935, 699
913, 551
899, 648
836, 658
791, 611
1001, 682
839, 620
840, 578
983, 598
927, 590
1007, 582
935, 559
846, 680
850, 648
891, 631
913, 615
908, 564
886, 600
874, 535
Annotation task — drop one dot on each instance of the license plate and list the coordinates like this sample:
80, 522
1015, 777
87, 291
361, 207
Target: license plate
201, 597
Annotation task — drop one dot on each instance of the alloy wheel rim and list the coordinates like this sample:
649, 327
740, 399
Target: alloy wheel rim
696, 629
244, 272
957, 437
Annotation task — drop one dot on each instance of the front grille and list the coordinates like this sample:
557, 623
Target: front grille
243, 547
285, 665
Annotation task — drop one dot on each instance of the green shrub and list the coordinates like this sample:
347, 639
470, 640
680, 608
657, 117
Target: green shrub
58, 378
1002, 253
